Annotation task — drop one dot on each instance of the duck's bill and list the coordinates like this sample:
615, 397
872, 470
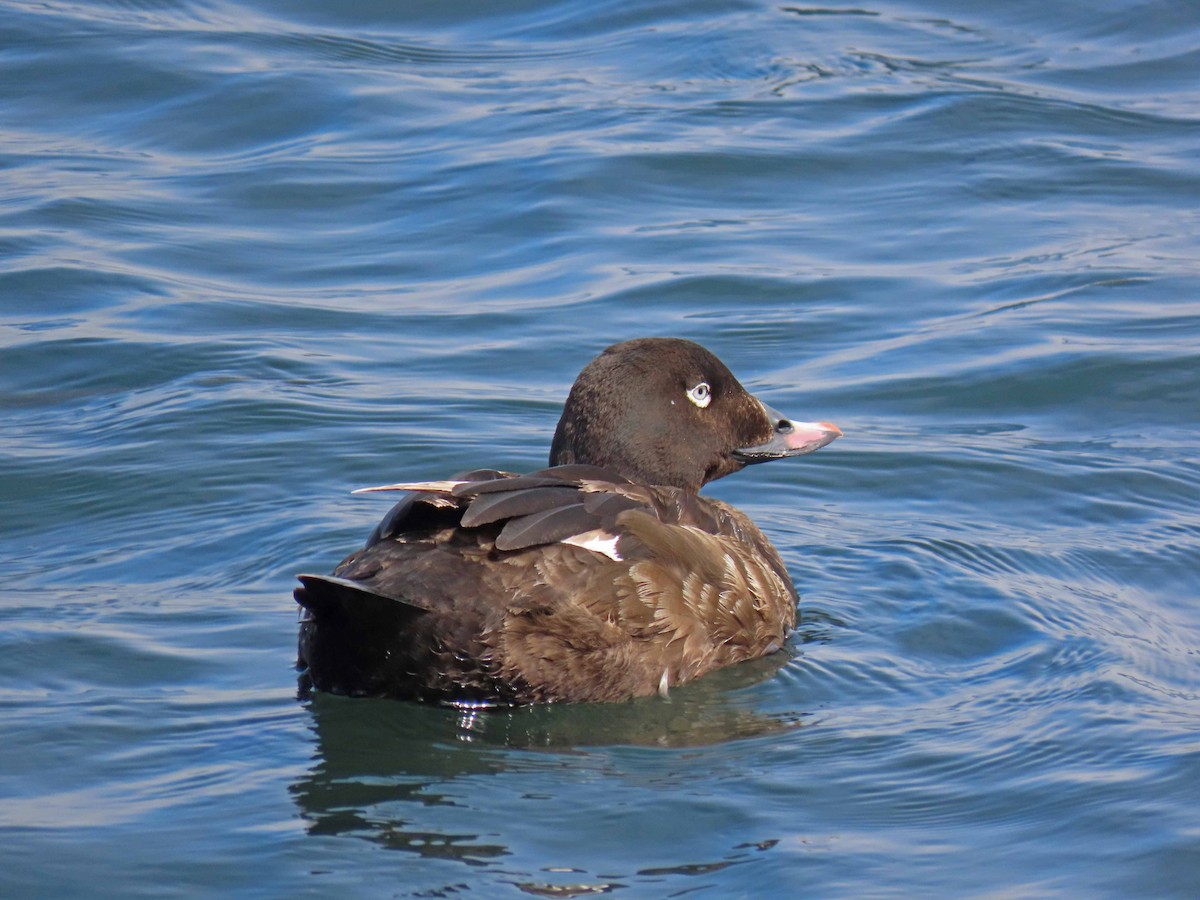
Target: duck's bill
790, 439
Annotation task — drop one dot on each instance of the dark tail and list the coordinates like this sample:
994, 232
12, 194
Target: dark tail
353, 640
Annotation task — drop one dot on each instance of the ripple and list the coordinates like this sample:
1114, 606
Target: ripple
257, 254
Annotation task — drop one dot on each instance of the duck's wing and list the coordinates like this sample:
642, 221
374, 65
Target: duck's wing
567, 504
428, 504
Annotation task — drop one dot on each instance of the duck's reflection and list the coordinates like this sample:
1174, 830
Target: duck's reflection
382, 769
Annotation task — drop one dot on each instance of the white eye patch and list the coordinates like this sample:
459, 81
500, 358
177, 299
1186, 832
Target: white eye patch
701, 394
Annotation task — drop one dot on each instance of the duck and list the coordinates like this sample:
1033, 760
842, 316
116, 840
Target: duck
604, 577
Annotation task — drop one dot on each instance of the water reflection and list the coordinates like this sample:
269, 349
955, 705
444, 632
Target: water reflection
393, 772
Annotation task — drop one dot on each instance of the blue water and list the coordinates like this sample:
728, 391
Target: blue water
254, 255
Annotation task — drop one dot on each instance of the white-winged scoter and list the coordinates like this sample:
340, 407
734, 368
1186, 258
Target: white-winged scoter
601, 578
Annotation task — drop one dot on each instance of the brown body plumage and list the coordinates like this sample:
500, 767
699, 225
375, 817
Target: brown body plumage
602, 578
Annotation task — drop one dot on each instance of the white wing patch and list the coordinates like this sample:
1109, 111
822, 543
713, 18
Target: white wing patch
598, 541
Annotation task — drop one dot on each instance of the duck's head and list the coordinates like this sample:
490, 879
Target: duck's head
666, 411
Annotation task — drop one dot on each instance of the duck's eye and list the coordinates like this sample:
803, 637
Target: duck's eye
701, 394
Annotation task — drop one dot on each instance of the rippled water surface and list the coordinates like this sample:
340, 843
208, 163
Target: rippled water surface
254, 255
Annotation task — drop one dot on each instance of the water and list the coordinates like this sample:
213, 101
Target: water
255, 255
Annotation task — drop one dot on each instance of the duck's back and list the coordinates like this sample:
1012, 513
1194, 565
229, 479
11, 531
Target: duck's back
572, 583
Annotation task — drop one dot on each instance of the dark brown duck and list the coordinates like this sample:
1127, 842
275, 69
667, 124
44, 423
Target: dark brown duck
603, 577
